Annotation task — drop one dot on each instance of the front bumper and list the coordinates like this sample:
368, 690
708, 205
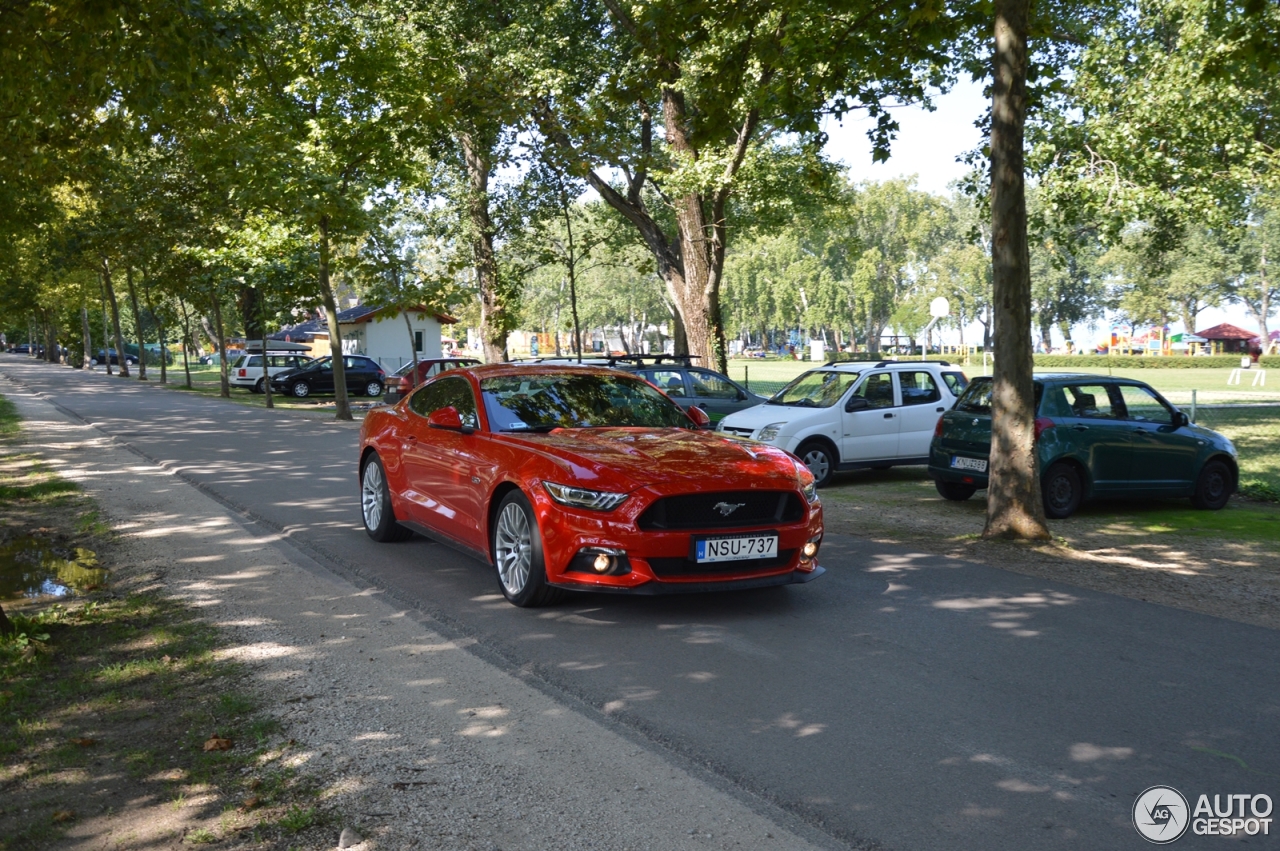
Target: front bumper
660, 560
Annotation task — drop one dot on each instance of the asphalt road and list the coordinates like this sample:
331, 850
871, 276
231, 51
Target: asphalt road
902, 700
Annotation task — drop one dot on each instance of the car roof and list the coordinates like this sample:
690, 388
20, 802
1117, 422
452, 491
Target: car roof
504, 370
860, 365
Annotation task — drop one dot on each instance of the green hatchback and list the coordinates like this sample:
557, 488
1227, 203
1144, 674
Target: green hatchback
1096, 436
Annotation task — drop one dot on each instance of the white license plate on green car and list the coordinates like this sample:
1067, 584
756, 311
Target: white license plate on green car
978, 465
737, 548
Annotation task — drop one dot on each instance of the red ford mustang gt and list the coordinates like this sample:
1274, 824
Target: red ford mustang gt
585, 479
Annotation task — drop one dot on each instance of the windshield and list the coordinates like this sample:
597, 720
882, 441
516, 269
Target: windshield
568, 400
817, 389
976, 398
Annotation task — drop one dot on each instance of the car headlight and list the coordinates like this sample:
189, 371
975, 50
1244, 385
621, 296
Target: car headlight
769, 432
583, 498
809, 489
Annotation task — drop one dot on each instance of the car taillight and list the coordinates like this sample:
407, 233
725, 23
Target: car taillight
243, 372
1042, 424
937, 429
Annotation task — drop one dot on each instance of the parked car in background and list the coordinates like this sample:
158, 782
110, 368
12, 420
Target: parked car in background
364, 377
1096, 436
100, 357
247, 370
401, 382
688, 385
586, 479
847, 416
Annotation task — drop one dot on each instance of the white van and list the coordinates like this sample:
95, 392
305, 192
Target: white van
246, 370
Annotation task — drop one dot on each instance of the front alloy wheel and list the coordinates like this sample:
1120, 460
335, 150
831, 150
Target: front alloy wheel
517, 554
301, 389
373, 388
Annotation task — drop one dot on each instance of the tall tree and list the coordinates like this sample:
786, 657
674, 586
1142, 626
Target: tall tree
680, 98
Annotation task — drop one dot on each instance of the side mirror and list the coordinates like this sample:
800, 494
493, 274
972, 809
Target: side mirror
699, 417
1180, 419
857, 403
742, 396
447, 418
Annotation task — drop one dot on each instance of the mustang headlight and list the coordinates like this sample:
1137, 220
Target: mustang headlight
809, 490
583, 498
769, 432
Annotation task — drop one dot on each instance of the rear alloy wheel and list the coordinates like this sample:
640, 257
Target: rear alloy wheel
375, 504
517, 554
955, 491
373, 388
817, 456
301, 389
260, 386
1063, 491
1213, 488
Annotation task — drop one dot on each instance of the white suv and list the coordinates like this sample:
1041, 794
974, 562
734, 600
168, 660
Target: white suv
246, 372
845, 416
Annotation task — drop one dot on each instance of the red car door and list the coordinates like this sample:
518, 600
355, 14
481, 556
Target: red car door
440, 465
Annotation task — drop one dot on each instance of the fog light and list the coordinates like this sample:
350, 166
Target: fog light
810, 549
601, 564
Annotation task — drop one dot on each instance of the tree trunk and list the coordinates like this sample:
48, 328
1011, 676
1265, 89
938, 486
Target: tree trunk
1014, 506
164, 342
88, 337
187, 340
6, 625
1065, 327
106, 325
413, 351
115, 321
137, 321
342, 403
571, 266
266, 363
224, 381
493, 312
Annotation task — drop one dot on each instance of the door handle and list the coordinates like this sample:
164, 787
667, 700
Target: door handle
410, 437
942, 410
1080, 428
888, 416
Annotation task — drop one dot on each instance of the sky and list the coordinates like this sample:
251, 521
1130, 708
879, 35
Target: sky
928, 146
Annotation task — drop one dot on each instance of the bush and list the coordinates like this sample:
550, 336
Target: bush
1148, 362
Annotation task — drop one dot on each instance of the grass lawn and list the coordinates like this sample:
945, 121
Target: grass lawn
109, 698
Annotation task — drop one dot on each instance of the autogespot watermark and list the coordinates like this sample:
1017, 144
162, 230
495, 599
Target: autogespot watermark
1162, 815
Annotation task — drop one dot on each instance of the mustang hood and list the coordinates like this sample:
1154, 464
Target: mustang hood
623, 459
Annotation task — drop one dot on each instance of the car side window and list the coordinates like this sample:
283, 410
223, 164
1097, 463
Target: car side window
708, 385
671, 381
1091, 401
877, 389
1141, 405
956, 382
446, 392
918, 388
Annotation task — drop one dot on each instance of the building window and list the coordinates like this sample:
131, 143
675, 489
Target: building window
417, 341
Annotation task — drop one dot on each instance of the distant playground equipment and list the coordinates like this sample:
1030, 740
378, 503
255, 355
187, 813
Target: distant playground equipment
1156, 341
1259, 375
964, 355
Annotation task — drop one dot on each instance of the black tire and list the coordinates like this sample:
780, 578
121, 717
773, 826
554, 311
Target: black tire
820, 460
1214, 486
955, 491
300, 389
517, 554
375, 504
260, 387
373, 389
1062, 489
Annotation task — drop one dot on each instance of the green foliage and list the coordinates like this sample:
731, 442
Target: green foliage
299, 818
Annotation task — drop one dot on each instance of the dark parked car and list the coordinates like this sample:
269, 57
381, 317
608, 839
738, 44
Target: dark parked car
1096, 436
687, 385
401, 383
364, 377
101, 356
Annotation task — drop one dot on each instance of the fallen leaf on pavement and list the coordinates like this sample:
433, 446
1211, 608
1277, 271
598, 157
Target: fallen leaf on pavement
84, 743
63, 815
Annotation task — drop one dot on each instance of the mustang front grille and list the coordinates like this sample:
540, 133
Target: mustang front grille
722, 510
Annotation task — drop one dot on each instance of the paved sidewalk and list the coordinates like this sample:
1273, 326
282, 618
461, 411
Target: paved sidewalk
418, 742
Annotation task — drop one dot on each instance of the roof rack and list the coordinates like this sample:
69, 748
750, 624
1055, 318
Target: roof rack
885, 363
657, 359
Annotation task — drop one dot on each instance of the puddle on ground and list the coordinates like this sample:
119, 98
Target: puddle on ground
34, 567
